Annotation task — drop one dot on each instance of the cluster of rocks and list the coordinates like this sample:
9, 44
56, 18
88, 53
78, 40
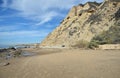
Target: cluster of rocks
8, 53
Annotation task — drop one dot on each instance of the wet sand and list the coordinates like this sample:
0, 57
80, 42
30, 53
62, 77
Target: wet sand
57, 63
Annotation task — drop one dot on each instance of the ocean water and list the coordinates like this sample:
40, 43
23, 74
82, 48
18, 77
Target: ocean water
8, 46
4, 46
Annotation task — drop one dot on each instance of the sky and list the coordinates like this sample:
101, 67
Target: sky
30, 21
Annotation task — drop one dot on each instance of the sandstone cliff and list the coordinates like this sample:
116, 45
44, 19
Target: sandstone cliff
83, 22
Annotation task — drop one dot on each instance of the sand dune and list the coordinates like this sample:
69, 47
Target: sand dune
65, 64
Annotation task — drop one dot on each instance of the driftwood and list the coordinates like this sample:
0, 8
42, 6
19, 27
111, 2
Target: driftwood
4, 64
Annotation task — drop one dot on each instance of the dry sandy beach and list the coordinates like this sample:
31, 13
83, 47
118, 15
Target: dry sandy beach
72, 63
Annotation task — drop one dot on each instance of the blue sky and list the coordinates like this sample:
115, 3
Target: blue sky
30, 21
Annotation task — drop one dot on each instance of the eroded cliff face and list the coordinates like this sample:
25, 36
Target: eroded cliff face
83, 22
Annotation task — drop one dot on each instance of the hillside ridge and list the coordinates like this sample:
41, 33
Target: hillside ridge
83, 22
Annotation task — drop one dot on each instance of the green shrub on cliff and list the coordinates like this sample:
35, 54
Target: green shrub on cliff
112, 36
81, 44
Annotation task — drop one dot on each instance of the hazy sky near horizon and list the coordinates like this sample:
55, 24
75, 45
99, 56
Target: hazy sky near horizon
30, 21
